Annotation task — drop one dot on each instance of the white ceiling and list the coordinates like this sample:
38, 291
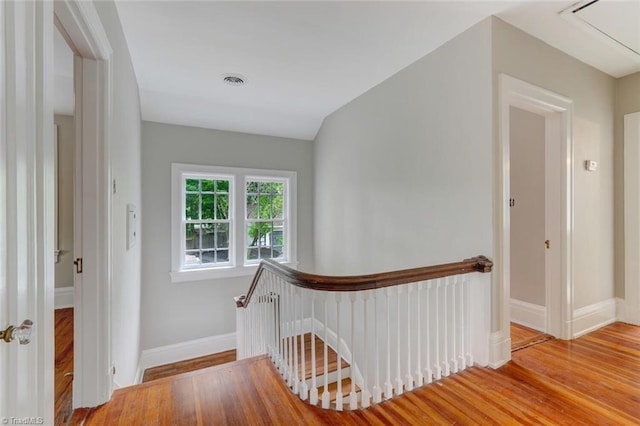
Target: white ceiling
303, 60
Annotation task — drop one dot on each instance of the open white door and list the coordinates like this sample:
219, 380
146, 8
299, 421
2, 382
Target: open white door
26, 209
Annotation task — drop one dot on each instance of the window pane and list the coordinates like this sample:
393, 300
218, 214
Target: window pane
278, 188
265, 207
208, 257
208, 235
222, 207
208, 206
278, 252
277, 207
222, 186
192, 206
222, 236
192, 237
192, 185
252, 207
192, 258
223, 255
252, 187
207, 185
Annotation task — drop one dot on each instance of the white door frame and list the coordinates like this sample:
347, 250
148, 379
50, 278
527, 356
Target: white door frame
558, 113
631, 307
80, 24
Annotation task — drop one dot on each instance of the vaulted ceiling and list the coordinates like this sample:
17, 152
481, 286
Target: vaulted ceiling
303, 60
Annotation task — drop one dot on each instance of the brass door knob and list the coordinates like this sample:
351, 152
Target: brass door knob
547, 243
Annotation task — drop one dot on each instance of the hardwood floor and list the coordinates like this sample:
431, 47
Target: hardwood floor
523, 337
591, 380
63, 378
169, 370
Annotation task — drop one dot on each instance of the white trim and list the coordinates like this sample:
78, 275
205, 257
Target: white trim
514, 92
215, 273
500, 349
529, 315
593, 317
81, 25
183, 351
632, 218
64, 297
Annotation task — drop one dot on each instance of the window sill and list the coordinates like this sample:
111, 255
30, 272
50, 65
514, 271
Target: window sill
217, 273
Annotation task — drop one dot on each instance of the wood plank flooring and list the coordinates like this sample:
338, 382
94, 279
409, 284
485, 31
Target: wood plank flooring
523, 337
63, 370
591, 380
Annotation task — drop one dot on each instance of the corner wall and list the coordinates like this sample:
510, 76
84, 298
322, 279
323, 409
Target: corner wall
403, 173
524, 57
124, 137
179, 312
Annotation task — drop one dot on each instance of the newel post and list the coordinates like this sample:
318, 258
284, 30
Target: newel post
240, 330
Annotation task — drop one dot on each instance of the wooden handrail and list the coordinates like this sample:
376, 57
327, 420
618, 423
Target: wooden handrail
364, 282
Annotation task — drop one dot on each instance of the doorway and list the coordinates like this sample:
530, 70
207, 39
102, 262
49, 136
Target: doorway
528, 307
64, 254
550, 113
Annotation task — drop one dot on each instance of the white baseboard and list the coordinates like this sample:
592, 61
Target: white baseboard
529, 315
184, 351
499, 348
592, 317
626, 313
63, 297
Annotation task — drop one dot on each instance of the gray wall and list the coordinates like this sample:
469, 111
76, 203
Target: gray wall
522, 56
627, 102
527, 166
403, 173
177, 312
66, 156
124, 135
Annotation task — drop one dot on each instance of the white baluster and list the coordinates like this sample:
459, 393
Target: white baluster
295, 335
325, 371
428, 373
454, 328
339, 349
419, 375
462, 362
388, 387
353, 397
398, 380
279, 331
467, 309
290, 335
409, 377
304, 388
365, 395
377, 390
438, 369
313, 396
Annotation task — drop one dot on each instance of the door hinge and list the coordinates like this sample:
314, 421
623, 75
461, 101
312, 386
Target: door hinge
512, 202
78, 263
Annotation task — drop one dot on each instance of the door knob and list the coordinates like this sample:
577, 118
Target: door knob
22, 333
547, 243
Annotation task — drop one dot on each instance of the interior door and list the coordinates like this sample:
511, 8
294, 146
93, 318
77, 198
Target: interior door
26, 208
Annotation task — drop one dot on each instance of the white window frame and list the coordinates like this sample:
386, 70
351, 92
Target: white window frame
238, 264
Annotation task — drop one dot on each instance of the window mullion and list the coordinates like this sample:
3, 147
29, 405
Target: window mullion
239, 216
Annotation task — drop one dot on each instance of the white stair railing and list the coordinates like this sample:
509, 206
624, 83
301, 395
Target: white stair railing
407, 328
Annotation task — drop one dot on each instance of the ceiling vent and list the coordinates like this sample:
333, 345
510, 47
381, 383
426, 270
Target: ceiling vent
234, 80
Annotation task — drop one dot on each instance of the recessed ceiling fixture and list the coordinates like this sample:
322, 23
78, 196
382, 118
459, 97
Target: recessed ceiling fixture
234, 79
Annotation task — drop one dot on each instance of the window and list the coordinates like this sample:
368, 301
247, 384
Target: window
225, 220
